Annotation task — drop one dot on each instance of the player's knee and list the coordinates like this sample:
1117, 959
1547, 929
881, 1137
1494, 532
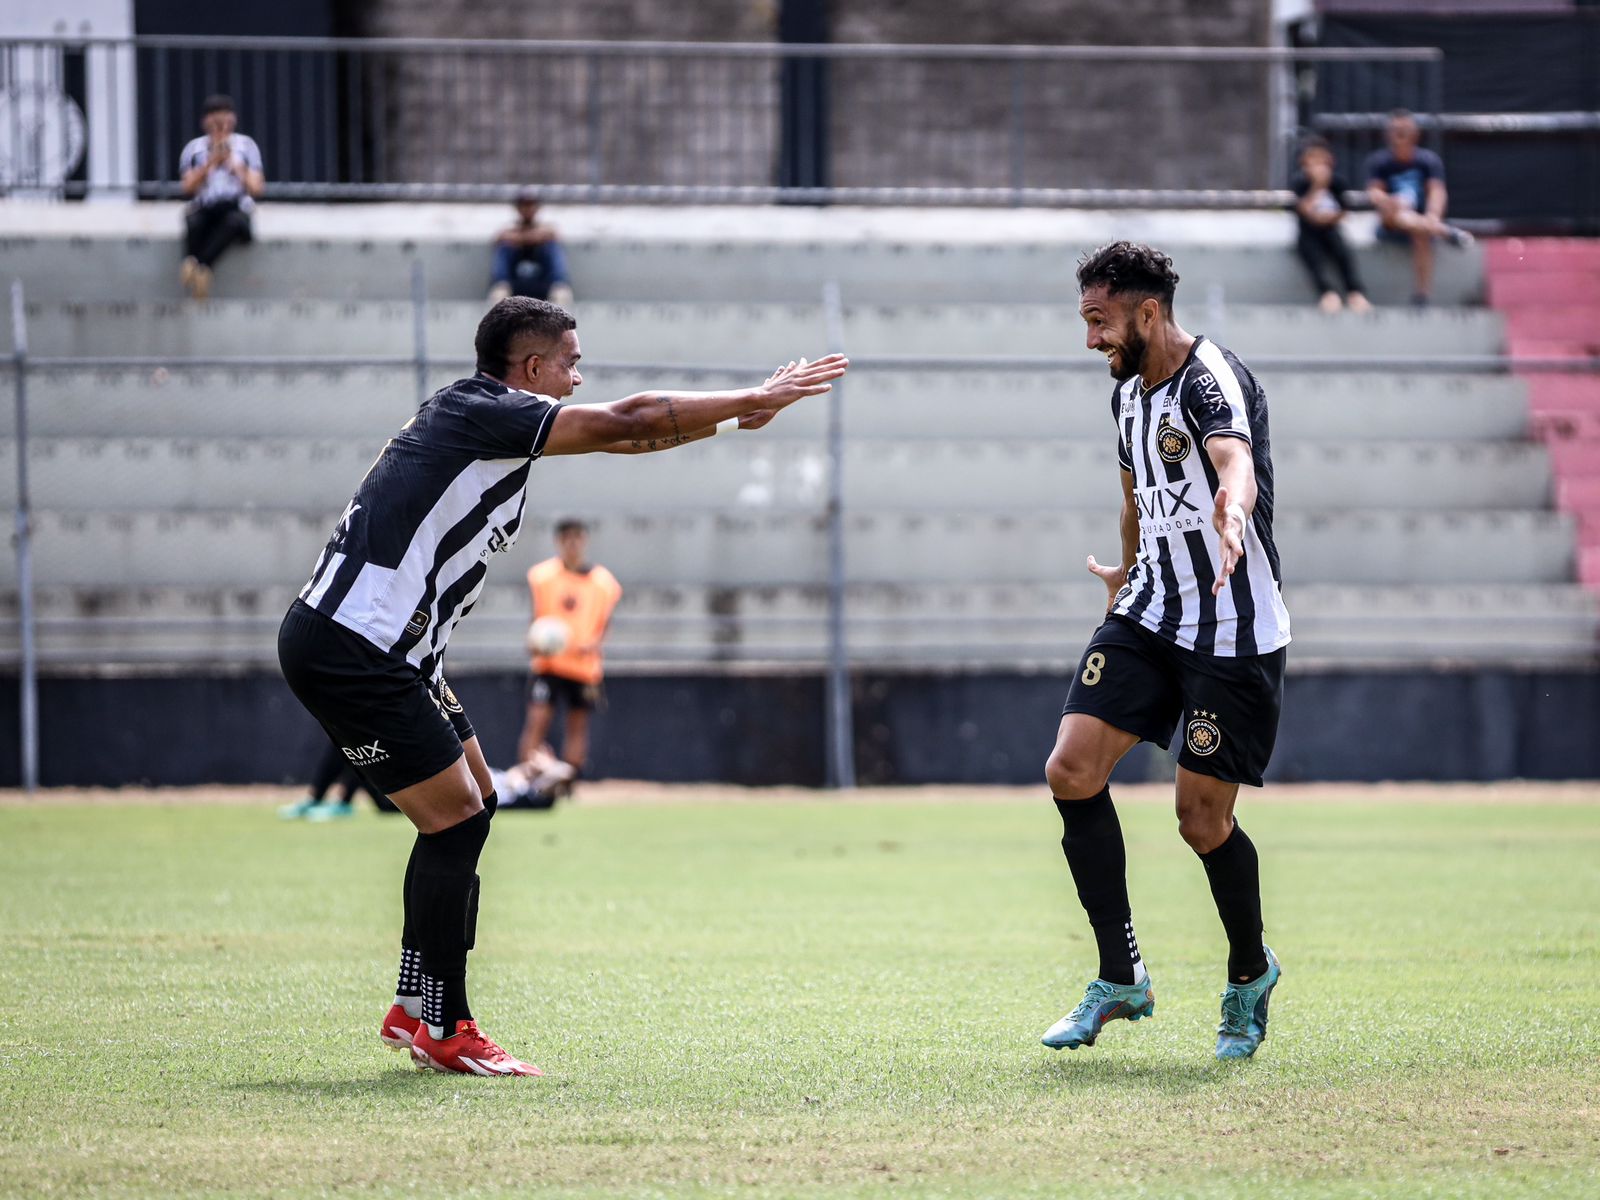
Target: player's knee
1203, 831
1070, 777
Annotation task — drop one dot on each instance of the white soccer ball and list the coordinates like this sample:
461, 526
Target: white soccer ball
548, 635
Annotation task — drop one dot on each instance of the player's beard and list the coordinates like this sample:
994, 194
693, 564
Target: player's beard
1130, 355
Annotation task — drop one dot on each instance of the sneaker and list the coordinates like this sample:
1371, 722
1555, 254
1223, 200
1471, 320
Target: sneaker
300, 808
399, 1028
499, 292
1101, 1003
465, 1052
561, 294
332, 812
1458, 237
1244, 1012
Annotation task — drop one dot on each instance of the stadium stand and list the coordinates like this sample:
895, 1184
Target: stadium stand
179, 506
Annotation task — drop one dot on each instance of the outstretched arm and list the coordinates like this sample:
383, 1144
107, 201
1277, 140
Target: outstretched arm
1236, 500
651, 421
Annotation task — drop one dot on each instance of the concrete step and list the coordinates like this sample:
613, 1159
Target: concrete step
257, 549
371, 403
739, 475
973, 624
633, 269
758, 334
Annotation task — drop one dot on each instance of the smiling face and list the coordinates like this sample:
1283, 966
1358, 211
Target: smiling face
1118, 326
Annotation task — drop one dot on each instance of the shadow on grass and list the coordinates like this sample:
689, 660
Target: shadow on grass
399, 1082
1170, 1078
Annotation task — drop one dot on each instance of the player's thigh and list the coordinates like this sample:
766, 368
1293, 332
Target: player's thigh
384, 717
1086, 750
1231, 708
442, 800
1126, 680
478, 765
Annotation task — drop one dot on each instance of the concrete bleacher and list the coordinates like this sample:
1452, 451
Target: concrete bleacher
178, 507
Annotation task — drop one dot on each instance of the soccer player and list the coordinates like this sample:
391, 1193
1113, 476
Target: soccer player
363, 646
1193, 638
583, 595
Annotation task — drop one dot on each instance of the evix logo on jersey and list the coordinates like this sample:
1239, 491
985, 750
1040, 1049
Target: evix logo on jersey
365, 756
1168, 509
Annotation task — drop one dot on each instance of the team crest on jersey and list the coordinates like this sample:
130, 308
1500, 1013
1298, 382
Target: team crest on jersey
1172, 443
1202, 735
447, 698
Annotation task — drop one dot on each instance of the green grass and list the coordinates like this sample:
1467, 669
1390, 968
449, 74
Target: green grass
807, 1000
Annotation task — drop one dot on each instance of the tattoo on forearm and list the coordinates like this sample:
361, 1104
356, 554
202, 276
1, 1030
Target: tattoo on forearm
677, 437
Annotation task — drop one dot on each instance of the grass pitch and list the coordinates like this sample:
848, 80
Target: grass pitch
810, 998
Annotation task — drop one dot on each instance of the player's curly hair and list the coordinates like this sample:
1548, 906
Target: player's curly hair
1129, 268
512, 318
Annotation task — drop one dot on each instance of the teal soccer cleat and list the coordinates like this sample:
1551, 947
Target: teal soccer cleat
1101, 1003
1244, 1012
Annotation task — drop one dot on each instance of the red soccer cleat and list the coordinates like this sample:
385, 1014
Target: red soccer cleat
465, 1052
398, 1030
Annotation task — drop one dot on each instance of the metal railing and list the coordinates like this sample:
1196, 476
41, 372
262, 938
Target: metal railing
341, 118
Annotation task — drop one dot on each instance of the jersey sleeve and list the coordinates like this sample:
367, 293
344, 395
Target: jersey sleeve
1215, 404
191, 156
1376, 168
1124, 459
1432, 165
519, 426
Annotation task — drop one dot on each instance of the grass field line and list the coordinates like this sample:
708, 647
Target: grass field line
633, 793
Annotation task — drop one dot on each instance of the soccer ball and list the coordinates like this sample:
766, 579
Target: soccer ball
548, 635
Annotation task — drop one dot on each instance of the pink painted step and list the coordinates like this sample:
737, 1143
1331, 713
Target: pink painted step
1556, 323
1565, 424
1550, 392
1541, 254
1575, 458
1528, 345
1512, 290
1578, 495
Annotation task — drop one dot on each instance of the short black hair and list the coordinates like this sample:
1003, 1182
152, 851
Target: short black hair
216, 103
1129, 268
1315, 142
1402, 114
570, 525
509, 320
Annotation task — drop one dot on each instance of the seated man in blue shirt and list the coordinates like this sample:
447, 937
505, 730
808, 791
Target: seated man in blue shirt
1406, 183
528, 258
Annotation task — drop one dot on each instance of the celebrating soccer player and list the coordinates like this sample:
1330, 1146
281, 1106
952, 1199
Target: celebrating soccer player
1193, 638
363, 645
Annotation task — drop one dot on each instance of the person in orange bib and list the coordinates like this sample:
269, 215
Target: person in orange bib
582, 595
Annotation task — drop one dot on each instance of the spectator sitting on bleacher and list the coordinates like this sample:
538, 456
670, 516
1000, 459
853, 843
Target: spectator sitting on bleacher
528, 258
221, 174
1406, 183
1318, 209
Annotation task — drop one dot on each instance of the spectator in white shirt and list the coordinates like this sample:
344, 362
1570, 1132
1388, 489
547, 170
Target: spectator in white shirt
221, 175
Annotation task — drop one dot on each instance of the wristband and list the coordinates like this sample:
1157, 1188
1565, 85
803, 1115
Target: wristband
730, 424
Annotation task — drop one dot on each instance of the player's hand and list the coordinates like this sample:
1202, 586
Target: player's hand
1227, 518
800, 379
756, 420
1113, 577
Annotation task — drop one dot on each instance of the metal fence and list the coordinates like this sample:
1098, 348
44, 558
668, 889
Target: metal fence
733, 122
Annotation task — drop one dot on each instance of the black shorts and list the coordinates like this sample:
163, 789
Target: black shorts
567, 693
1145, 685
394, 726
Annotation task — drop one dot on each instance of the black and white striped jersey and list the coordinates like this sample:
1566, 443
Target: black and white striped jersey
408, 557
1162, 436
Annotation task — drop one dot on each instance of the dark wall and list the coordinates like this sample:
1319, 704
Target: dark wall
1512, 63
910, 728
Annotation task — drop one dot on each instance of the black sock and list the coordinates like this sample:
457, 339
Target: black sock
444, 910
409, 986
1092, 841
1235, 877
